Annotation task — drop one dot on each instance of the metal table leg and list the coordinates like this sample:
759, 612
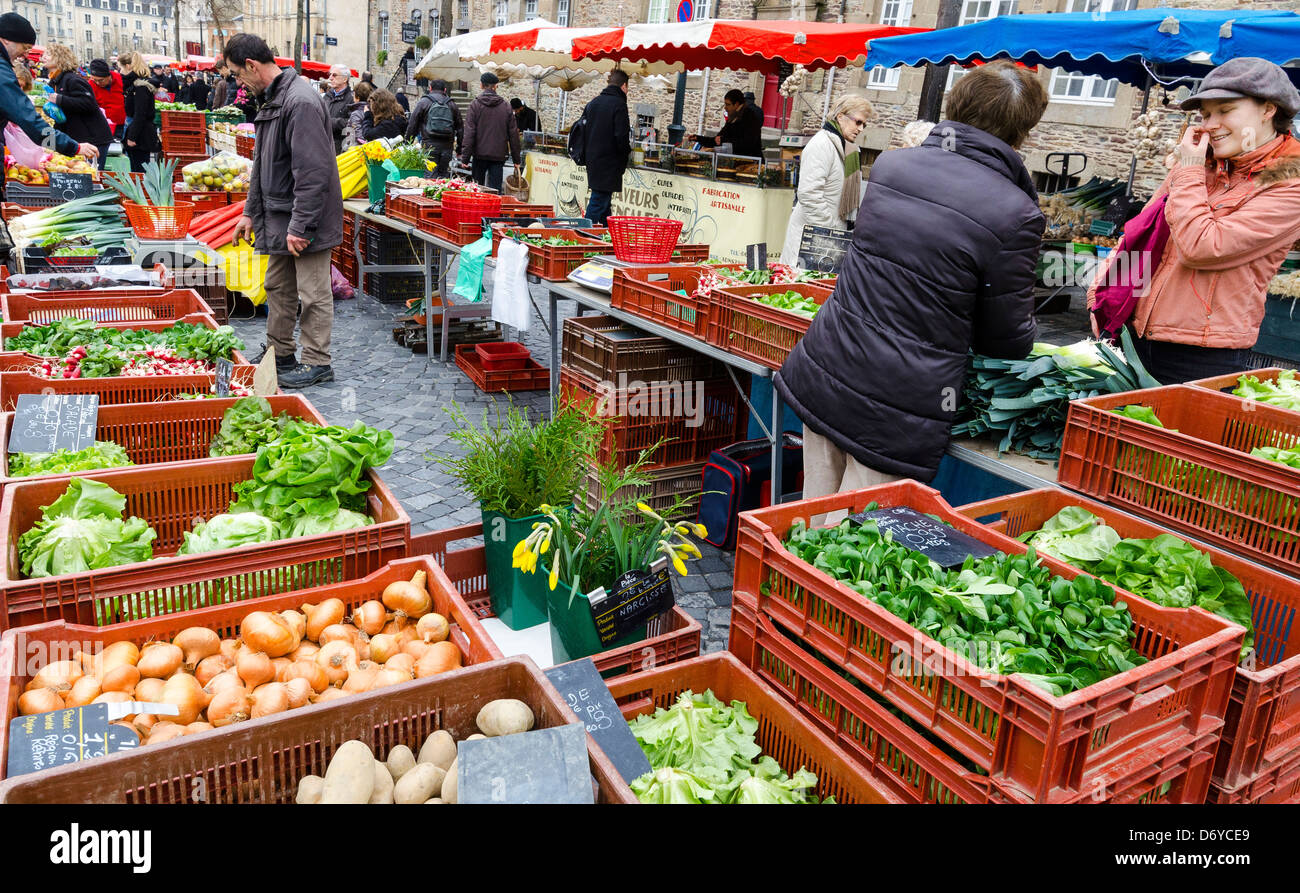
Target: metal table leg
444, 265
778, 442
431, 256
555, 348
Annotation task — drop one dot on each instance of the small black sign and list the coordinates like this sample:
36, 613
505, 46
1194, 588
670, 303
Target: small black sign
44, 423
756, 256
410, 31
580, 684
225, 369
822, 248
45, 740
331, 41
542, 766
944, 545
637, 596
69, 186
1120, 210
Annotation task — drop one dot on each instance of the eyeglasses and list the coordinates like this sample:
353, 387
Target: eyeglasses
859, 122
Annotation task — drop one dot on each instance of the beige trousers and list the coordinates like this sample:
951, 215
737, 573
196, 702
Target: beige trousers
827, 469
292, 279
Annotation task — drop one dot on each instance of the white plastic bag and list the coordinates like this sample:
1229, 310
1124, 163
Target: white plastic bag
511, 305
223, 172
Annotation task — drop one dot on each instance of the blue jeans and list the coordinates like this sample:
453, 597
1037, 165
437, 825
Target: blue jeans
598, 207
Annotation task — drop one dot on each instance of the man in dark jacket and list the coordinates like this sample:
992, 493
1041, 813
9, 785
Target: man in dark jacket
295, 208
199, 92
16, 37
744, 127
525, 118
436, 122
338, 100
490, 134
219, 89
942, 262
608, 141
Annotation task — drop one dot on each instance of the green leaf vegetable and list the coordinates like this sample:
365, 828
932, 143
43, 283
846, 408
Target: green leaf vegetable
229, 531
186, 340
791, 302
84, 530
1005, 613
104, 454
247, 425
1284, 392
704, 751
1163, 569
1139, 413
408, 156
1289, 457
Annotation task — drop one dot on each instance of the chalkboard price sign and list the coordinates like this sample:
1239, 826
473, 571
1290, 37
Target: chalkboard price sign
946, 546
70, 186
52, 739
541, 766
822, 249
756, 256
637, 596
581, 685
44, 423
225, 369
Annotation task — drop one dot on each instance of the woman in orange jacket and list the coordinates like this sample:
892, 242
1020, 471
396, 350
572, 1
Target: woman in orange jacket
1233, 212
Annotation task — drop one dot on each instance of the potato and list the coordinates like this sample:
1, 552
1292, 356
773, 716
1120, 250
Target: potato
350, 777
383, 792
434, 800
439, 749
450, 784
400, 761
309, 789
504, 716
418, 785
476, 737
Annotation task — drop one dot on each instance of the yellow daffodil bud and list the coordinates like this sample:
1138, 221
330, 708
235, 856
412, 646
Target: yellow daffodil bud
681, 567
520, 548
546, 545
701, 531
555, 575
645, 508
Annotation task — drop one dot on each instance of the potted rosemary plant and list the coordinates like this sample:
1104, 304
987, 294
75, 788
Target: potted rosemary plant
513, 467
585, 553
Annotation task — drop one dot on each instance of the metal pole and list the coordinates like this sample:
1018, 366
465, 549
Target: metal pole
936, 76
677, 130
1133, 165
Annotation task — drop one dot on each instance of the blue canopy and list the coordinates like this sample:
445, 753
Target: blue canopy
1276, 39
1112, 44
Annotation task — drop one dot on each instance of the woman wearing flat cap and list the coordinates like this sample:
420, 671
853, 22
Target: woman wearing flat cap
1233, 211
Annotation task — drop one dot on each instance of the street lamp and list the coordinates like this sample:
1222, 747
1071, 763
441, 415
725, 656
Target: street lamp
201, 19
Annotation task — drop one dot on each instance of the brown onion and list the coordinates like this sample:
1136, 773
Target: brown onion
229, 706
83, 691
230, 649
144, 723
415, 649
116, 655
198, 727
123, 677
297, 622
370, 617
255, 669
441, 657
327, 613
280, 664
222, 681
395, 626
116, 697
299, 691
165, 731
359, 680
196, 643
183, 691
211, 667
388, 676
433, 628
383, 647
310, 672
149, 690
337, 659
408, 599
402, 663
268, 633
160, 660
59, 675
268, 699
305, 651
39, 700
330, 694
340, 632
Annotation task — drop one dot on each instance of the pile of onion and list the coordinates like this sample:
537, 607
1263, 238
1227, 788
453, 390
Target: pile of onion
279, 661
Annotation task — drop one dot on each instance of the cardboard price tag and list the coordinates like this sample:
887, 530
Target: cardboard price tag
44, 423
637, 596
944, 545
585, 691
45, 740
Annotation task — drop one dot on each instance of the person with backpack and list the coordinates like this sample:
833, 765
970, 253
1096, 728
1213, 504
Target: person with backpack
601, 141
437, 122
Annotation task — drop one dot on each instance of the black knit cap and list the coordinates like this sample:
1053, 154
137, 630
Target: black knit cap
16, 28
98, 68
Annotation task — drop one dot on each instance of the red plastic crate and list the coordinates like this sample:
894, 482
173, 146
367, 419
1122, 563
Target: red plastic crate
182, 160
412, 208
782, 733
668, 640
184, 122
153, 433
244, 145
462, 233
905, 761
11, 329
112, 390
502, 356
553, 263
463, 208
262, 760
207, 201
1228, 383
665, 487
1195, 475
533, 377
640, 417
183, 143
170, 498
652, 293
764, 334
1262, 725
1280, 784
20, 647
43, 308
605, 348
1033, 745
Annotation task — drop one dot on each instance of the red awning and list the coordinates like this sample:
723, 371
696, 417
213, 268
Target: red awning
317, 71
741, 45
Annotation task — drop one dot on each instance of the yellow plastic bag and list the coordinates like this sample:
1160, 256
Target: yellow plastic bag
245, 271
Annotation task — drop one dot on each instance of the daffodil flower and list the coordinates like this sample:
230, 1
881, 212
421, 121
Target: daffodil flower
555, 575
520, 548
645, 508
681, 567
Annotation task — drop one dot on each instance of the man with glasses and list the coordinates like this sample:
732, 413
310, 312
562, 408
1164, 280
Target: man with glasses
338, 100
294, 207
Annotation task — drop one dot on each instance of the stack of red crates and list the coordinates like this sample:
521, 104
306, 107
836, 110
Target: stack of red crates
343, 256
184, 136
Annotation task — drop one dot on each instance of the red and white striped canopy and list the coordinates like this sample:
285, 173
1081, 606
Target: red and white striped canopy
742, 45
547, 47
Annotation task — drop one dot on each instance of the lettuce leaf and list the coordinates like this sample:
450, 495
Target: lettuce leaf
310, 525
229, 531
84, 530
247, 425
103, 454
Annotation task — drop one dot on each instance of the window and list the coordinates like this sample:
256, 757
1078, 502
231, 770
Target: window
153, 10
88, 18
383, 31
89, 38
978, 11
502, 13
562, 13
895, 14
123, 23
155, 27
105, 21
462, 13
530, 10
660, 11
1071, 86
434, 24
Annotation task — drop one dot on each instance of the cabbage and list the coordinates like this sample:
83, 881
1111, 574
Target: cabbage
310, 525
228, 532
84, 530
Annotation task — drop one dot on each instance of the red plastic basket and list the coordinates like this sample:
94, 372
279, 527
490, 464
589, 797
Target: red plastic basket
533, 376
14, 380
1034, 746
644, 240
1196, 474
45, 308
1262, 725
669, 639
19, 646
765, 334
460, 207
664, 294
153, 222
502, 356
1277, 785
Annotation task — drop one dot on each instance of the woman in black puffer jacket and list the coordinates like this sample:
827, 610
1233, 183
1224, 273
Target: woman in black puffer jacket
942, 261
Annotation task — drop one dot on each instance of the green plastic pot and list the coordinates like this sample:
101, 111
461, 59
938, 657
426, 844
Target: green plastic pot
518, 599
573, 631
376, 176
403, 173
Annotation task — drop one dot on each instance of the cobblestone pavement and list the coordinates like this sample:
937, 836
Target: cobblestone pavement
388, 386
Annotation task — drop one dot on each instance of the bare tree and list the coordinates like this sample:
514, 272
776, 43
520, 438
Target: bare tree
297, 43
